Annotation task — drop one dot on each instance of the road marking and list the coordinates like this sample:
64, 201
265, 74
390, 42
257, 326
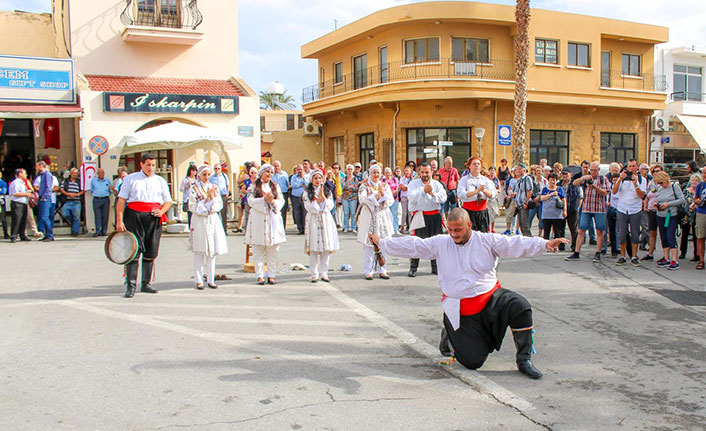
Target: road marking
125, 303
264, 320
27, 304
481, 383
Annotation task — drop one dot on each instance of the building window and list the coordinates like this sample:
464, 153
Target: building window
300, 121
546, 51
360, 71
263, 125
617, 147
631, 64
290, 121
164, 162
579, 55
384, 66
367, 149
475, 50
687, 83
161, 13
421, 147
421, 50
552, 145
323, 77
338, 73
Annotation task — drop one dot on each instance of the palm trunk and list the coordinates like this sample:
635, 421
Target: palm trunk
519, 134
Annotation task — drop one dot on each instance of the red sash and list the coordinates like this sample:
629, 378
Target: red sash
475, 205
147, 207
429, 213
471, 306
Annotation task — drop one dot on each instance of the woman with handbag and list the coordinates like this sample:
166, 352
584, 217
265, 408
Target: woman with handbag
553, 201
669, 199
688, 222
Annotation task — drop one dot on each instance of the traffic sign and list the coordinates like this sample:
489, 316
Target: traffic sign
98, 145
504, 135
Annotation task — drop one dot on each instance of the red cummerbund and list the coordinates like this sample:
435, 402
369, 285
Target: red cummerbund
475, 205
471, 306
147, 207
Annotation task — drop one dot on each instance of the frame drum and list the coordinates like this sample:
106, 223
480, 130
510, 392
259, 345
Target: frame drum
121, 247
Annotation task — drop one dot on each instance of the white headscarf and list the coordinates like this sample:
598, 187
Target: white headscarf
263, 168
203, 168
370, 178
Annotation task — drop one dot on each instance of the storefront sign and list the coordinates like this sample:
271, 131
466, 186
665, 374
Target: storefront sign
246, 131
34, 79
171, 103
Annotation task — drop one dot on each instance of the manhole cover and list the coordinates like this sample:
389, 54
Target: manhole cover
684, 297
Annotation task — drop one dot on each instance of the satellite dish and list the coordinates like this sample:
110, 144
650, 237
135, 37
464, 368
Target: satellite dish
275, 87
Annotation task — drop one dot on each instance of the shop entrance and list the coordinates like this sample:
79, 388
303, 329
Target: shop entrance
16, 147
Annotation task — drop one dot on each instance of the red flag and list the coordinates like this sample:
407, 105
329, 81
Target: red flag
1, 123
52, 137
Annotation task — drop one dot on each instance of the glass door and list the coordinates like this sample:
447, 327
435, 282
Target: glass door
605, 68
360, 71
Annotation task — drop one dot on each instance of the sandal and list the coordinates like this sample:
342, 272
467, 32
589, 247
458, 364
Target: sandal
212, 286
270, 280
199, 286
700, 265
261, 281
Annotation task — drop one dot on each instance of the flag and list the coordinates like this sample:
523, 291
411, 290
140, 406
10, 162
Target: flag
52, 137
224, 166
1, 123
36, 127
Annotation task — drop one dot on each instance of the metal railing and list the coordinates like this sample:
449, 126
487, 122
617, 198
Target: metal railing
444, 68
687, 96
643, 82
158, 13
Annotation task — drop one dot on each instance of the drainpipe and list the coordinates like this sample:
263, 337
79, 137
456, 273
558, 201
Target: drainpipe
647, 139
394, 136
323, 135
495, 133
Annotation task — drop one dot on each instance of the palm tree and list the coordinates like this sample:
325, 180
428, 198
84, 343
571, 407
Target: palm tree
519, 138
276, 101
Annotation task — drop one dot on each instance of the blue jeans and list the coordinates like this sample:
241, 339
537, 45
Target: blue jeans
45, 224
72, 212
393, 210
349, 208
536, 212
447, 206
668, 235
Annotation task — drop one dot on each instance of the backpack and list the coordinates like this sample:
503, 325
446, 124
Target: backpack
682, 210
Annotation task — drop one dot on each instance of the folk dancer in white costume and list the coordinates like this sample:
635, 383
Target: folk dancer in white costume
425, 196
265, 230
477, 310
207, 239
320, 234
475, 191
374, 200
148, 199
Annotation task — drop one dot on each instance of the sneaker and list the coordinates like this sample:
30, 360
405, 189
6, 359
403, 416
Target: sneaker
613, 254
517, 232
621, 261
647, 257
673, 266
597, 258
573, 256
507, 232
635, 261
662, 262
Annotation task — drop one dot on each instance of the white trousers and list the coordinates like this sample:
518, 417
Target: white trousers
210, 262
369, 261
318, 263
261, 255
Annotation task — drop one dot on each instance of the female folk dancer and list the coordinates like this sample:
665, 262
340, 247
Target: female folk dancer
320, 236
375, 199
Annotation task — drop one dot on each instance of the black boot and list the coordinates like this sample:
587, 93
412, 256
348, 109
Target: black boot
433, 267
130, 279
147, 276
523, 343
445, 347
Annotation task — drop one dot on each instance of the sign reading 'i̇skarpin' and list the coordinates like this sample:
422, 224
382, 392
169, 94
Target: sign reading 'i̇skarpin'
171, 103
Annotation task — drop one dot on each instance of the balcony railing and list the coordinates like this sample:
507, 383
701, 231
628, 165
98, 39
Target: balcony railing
444, 68
687, 96
643, 82
182, 14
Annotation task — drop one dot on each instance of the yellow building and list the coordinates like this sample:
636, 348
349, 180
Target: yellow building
285, 138
396, 82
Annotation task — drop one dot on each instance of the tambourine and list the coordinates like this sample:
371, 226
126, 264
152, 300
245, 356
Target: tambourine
121, 247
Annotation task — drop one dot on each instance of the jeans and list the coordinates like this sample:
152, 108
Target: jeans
72, 212
447, 206
536, 212
298, 212
46, 218
404, 202
590, 230
393, 210
668, 235
101, 209
611, 229
349, 208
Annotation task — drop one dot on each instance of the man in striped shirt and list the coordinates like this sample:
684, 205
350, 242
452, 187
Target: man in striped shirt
71, 188
595, 187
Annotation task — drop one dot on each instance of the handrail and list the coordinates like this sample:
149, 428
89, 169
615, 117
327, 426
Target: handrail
150, 13
687, 96
643, 82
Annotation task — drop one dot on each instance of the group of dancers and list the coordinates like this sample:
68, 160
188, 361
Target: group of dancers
477, 310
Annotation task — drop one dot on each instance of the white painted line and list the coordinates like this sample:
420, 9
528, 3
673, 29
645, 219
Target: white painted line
262, 321
27, 304
481, 383
124, 303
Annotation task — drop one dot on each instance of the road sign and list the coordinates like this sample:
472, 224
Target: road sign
98, 145
665, 140
504, 135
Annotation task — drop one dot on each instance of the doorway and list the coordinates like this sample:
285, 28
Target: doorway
16, 148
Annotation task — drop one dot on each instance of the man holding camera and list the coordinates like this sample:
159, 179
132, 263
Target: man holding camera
595, 187
630, 189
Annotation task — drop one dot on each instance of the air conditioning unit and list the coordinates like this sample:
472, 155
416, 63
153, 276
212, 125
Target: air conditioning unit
312, 128
660, 124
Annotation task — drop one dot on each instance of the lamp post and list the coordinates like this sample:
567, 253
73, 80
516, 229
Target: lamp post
479, 132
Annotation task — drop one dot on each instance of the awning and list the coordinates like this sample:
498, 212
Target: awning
176, 135
24, 111
696, 127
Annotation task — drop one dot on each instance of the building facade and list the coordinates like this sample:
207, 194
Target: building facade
418, 82
285, 138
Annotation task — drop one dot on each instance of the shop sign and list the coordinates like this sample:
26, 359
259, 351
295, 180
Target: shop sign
170, 103
35, 79
246, 131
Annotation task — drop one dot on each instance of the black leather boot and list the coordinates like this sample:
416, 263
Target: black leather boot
130, 279
523, 343
445, 347
147, 266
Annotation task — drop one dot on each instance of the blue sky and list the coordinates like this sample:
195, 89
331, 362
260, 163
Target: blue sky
272, 31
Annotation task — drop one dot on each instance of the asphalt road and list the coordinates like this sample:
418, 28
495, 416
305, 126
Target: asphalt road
621, 347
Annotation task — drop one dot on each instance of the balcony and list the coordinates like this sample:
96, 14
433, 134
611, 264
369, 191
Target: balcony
686, 103
161, 21
616, 79
443, 69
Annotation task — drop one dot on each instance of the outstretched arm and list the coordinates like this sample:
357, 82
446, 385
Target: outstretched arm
406, 246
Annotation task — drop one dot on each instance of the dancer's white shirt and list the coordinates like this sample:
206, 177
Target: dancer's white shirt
419, 200
138, 187
470, 183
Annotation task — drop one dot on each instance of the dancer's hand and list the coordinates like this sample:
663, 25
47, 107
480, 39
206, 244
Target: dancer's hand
269, 198
119, 226
553, 245
374, 239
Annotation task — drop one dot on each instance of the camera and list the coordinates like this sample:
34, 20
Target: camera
589, 181
628, 174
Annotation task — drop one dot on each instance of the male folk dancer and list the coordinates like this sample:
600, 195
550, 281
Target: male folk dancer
148, 199
474, 191
425, 195
477, 310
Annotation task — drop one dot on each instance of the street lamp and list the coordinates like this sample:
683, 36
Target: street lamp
479, 132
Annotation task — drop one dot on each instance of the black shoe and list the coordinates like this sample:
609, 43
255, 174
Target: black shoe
412, 273
147, 266
682, 256
46, 238
24, 238
597, 258
271, 280
592, 242
527, 368
635, 261
647, 257
261, 283
130, 292
621, 261
695, 259
130, 279
199, 287
148, 289
434, 271
326, 280
13, 240
212, 286
445, 347
574, 256
383, 276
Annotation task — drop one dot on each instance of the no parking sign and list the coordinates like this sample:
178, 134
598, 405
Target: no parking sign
98, 145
